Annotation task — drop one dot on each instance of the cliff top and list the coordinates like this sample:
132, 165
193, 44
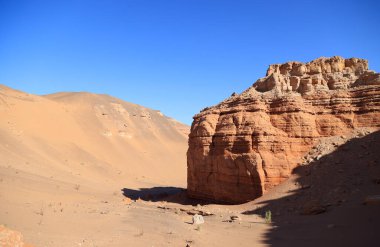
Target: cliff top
324, 74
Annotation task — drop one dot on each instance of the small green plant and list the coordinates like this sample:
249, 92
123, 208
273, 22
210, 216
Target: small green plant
268, 217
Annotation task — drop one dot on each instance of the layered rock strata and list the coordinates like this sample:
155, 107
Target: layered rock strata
251, 142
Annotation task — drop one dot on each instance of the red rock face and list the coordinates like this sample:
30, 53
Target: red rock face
251, 142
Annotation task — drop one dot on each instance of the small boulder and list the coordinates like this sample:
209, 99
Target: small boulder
127, 201
235, 218
313, 208
198, 219
330, 226
372, 200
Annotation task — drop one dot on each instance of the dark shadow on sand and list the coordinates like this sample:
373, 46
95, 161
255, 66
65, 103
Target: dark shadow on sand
328, 210
152, 194
161, 194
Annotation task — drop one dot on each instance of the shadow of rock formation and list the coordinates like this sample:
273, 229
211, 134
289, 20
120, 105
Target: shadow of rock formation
151, 194
161, 194
327, 208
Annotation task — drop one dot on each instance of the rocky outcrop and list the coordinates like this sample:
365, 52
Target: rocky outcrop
251, 142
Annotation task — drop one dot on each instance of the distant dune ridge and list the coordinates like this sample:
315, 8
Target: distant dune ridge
249, 143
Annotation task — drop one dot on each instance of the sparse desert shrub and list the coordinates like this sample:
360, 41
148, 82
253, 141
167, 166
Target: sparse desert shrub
41, 211
77, 187
268, 216
140, 233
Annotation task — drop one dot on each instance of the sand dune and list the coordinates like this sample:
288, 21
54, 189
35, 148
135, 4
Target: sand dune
87, 138
69, 147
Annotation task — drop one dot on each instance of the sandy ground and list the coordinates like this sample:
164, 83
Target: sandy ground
67, 217
74, 165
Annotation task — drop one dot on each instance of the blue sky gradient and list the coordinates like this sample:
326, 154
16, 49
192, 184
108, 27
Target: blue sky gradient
176, 56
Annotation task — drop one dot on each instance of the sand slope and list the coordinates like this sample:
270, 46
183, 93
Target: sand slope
86, 138
65, 148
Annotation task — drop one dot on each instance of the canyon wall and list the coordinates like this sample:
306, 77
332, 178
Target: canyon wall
251, 142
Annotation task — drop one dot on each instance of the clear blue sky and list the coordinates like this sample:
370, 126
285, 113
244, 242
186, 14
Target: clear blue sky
176, 56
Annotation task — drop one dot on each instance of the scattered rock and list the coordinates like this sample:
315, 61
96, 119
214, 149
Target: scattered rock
306, 186
195, 211
191, 211
330, 226
128, 201
376, 180
313, 208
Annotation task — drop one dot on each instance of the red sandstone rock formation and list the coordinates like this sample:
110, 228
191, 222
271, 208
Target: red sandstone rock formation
248, 143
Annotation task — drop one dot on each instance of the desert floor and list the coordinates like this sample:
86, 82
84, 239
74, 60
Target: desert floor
320, 205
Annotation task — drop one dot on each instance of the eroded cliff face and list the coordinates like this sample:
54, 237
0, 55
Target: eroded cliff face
251, 142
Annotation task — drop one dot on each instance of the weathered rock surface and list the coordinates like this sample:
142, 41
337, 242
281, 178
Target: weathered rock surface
251, 142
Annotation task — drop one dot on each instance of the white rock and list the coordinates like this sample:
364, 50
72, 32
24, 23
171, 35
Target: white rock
198, 219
